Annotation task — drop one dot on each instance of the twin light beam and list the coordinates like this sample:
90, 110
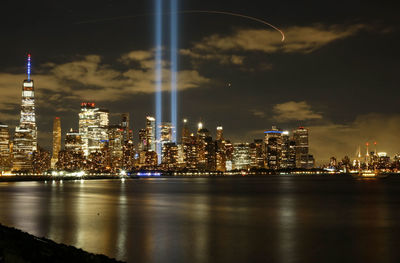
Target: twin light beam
174, 69
173, 54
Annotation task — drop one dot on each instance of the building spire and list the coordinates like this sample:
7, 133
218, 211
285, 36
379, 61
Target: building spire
28, 67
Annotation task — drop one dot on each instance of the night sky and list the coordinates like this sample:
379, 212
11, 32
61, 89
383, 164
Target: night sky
337, 73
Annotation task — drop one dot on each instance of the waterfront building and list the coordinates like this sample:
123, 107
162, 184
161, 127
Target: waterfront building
257, 154
25, 138
150, 133
220, 133
210, 154
241, 156
288, 159
72, 157
56, 141
5, 148
303, 158
202, 141
116, 137
220, 155
273, 148
126, 132
169, 156
228, 155
142, 144
93, 125
129, 156
191, 153
185, 136
41, 161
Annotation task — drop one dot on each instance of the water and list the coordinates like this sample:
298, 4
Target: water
267, 219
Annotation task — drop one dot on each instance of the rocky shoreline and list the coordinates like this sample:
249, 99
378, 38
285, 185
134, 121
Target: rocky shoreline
18, 246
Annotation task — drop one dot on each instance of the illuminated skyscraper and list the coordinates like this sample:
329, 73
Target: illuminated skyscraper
25, 139
303, 158
170, 155
115, 145
185, 132
288, 160
5, 151
257, 154
151, 133
142, 145
241, 156
220, 133
273, 148
93, 125
73, 141
125, 127
56, 141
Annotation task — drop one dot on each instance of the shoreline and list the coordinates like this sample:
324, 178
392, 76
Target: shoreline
19, 246
45, 178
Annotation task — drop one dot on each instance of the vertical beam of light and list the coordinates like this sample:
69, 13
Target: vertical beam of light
158, 72
174, 66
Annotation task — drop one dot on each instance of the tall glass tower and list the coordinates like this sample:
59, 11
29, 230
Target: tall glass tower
25, 139
56, 141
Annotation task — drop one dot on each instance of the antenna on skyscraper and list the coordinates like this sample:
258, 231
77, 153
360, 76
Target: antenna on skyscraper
28, 67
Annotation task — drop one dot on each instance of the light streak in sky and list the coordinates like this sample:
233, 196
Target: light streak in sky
192, 12
237, 15
158, 74
174, 66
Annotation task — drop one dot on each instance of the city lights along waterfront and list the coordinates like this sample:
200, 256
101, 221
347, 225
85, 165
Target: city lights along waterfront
199, 131
99, 147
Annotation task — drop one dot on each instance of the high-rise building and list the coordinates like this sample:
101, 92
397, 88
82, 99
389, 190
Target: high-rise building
220, 133
73, 141
303, 158
125, 127
142, 144
288, 160
93, 125
185, 132
241, 156
273, 148
220, 155
202, 141
150, 133
257, 154
72, 157
170, 155
5, 148
25, 139
191, 153
56, 141
115, 145
166, 132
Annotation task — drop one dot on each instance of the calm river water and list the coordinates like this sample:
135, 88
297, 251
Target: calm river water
252, 219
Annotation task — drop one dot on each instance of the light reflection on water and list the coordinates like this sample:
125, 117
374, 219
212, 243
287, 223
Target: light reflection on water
284, 219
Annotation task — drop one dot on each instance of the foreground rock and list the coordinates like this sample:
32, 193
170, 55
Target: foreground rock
21, 247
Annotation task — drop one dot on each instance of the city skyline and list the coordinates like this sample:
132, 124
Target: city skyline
244, 89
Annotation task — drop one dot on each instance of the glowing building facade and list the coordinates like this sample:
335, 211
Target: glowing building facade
273, 148
93, 125
303, 158
56, 141
5, 148
241, 156
150, 133
25, 138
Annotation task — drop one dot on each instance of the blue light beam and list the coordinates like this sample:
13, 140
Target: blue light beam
174, 66
158, 75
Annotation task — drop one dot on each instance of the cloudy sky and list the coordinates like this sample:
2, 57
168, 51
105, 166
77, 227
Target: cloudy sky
336, 72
